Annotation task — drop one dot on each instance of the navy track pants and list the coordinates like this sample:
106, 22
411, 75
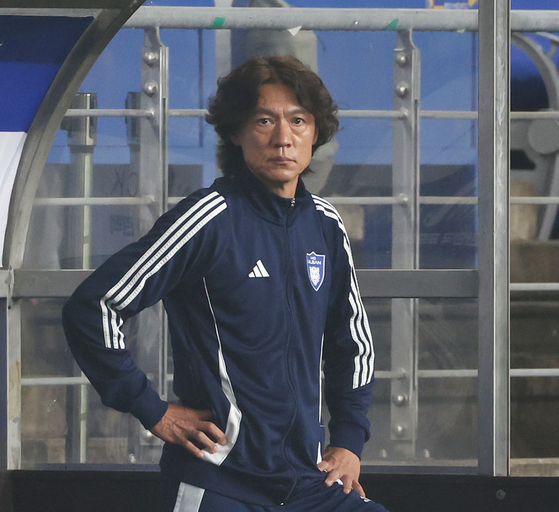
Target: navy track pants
313, 496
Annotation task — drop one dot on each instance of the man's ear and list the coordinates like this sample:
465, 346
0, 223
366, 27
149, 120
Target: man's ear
235, 139
315, 136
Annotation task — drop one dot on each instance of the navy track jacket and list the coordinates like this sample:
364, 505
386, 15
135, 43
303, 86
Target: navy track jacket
262, 302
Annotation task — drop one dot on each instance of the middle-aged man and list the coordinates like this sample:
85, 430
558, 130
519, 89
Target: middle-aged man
257, 278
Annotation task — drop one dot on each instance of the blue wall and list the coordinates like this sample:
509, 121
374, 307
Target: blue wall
31, 53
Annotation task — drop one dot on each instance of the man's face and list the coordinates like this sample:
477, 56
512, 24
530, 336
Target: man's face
277, 139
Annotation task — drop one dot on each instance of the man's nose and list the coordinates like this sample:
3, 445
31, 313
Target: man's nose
282, 134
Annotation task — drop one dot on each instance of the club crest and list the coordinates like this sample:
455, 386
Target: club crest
315, 269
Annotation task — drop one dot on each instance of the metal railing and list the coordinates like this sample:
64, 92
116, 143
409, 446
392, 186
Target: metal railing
327, 19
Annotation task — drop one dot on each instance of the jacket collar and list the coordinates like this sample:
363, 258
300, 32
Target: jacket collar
269, 205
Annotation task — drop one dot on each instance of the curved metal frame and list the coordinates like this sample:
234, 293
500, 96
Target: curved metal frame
109, 17
49, 117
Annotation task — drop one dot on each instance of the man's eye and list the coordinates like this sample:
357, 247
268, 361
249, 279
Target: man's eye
264, 121
298, 120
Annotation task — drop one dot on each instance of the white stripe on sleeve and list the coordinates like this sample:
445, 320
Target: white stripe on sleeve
358, 324
168, 244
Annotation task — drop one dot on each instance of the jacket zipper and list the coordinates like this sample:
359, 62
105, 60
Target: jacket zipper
290, 316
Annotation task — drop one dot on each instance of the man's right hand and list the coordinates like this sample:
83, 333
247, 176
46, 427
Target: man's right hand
184, 426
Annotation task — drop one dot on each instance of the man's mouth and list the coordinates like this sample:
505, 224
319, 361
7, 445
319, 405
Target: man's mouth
281, 159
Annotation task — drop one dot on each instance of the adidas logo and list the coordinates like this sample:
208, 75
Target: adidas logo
259, 270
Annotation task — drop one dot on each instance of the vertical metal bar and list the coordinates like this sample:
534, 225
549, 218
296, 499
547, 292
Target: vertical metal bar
13, 437
153, 140
494, 114
201, 98
405, 242
223, 45
153, 133
87, 186
149, 159
82, 138
5, 475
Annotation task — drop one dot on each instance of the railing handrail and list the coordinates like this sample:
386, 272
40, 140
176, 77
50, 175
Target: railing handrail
219, 18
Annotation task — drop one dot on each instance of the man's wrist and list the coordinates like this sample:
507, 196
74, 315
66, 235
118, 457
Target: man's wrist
149, 409
350, 436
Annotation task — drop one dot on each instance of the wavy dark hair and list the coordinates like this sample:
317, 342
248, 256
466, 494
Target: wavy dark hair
237, 96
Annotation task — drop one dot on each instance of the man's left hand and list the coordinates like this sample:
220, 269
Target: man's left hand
342, 464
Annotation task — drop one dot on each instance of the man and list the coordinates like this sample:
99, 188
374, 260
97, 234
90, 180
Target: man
257, 278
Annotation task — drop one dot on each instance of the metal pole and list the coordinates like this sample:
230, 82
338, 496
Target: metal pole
360, 114
13, 378
82, 138
405, 243
148, 157
494, 85
224, 18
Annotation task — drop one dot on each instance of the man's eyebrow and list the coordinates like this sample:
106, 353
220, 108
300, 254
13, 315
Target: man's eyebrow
271, 113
